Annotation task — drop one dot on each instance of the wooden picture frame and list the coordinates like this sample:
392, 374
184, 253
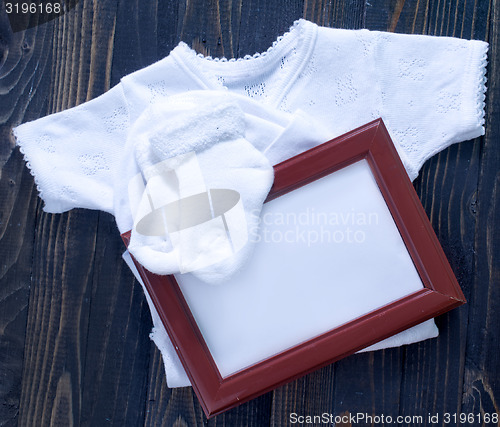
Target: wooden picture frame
440, 291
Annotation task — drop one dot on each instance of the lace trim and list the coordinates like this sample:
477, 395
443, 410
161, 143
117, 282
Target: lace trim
28, 164
481, 80
297, 25
297, 43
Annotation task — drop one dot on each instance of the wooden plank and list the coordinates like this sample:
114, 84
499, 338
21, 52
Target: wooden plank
76, 369
398, 16
57, 319
335, 14
481, 390
262, 22
369, 383
450, 194
310, 395
20, 75
136, 43
180, 407
446, 187
17, 207
115, 371
58, 310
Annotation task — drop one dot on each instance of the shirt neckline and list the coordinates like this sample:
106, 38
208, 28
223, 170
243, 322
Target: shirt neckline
207, 70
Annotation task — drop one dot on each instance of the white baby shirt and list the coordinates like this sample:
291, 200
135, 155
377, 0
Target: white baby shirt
313, 84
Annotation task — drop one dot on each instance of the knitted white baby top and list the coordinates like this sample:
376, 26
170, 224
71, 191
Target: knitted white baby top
428, 90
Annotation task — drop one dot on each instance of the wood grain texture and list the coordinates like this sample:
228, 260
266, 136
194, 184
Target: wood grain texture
115, 372
17, 213
74, 325
18, 210
336, 14
482, 368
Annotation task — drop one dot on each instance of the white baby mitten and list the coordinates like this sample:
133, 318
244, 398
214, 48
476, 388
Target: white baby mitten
200, 188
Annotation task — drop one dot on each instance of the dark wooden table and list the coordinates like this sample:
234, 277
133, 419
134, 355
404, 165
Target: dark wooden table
74, 324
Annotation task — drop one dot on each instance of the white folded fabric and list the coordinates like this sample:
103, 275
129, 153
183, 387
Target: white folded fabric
199, 187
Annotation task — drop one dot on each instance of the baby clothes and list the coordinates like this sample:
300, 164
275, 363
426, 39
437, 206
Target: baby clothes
313, 84
205, 183
428, 90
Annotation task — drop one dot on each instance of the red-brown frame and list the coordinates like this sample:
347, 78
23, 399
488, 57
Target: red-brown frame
441, 291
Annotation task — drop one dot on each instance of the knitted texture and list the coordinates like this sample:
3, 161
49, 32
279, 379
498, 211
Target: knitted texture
205, 186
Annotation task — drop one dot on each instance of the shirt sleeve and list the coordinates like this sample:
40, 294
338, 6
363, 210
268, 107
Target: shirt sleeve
432, 92
74, 155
